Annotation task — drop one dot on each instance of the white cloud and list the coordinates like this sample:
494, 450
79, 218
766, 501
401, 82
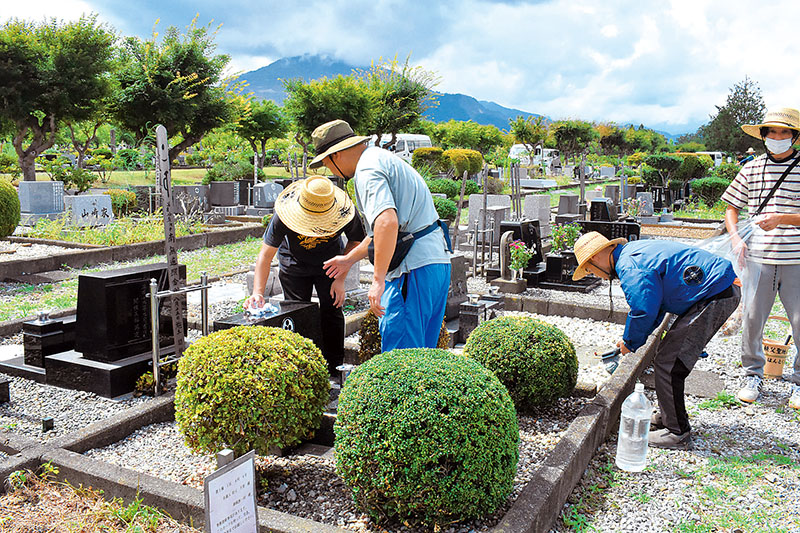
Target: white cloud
59, 9
609, 30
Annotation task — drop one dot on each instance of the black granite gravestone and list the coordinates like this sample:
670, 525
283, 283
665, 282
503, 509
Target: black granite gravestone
612, 230
297, 316
602, 209
457, 294
113, 320
224, 193
41, 338
526, 231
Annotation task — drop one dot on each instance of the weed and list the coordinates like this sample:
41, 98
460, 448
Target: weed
48, 471
723, 400
17, 479
575, 520
641, 497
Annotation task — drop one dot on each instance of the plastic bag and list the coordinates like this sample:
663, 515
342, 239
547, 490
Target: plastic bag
252, 314
746, 270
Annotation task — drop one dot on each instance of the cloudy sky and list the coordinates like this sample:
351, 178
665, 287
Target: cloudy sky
665, 64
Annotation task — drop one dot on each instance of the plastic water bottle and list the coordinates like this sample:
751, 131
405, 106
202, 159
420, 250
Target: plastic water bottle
634, 428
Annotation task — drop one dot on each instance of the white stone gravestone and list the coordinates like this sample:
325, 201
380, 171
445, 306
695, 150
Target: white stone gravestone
89, 209
40, 199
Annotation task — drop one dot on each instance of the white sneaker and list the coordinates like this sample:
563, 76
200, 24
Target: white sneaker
794, 401
750, 389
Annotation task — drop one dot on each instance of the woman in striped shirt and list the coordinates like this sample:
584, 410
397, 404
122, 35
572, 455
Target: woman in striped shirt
776, 250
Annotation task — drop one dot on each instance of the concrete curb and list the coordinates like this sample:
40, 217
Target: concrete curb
535, 510
542, 499
83, 257
540, 306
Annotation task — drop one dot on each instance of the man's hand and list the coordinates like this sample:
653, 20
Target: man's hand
338, 266
255, 300
338, 292
622, 348
739, 250
375, 293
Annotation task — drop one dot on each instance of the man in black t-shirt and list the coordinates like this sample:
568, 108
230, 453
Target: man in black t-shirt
306, 230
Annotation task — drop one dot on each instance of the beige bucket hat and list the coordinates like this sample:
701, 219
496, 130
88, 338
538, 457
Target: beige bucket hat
332, 137
587, 247
314, 207
784, 117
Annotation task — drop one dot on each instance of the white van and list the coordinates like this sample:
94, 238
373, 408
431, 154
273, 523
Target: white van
405, 144
540, 155
716, 157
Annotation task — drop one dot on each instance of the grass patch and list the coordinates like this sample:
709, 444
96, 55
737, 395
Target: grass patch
723, 400
36, 502
123, 230
24, 300
699, 209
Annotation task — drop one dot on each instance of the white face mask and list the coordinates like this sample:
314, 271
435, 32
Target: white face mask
778, 146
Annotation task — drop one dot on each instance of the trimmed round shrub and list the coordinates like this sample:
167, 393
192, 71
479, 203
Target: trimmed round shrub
430, 158
726, 171
534, 360
446, 208
470, 188
461, 159
710, 189
426, 435
250, 388
232, 171
693, 167
122, 201
9, 209
444, 186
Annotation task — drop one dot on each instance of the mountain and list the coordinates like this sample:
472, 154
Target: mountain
266, 83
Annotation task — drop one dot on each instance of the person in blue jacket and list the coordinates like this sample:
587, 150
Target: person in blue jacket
660, 277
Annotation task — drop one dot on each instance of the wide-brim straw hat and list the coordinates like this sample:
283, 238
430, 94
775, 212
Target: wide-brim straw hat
314, 207
750, 151
332, 137
785, 117
587, 247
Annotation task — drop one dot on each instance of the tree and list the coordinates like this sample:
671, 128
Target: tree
529, 130
317, 102
50, 72
264, 121
573, 136
664, 165
401, 94
177, 82
612, 140
743, 106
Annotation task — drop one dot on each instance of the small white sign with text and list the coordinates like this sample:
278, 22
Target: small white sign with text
230, 497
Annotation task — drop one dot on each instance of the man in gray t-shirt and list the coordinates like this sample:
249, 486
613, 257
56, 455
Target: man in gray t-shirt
391, 196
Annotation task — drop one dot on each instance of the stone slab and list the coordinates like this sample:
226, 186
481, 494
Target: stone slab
264, 194
71, 370
700, 383
89, 210
476, 204
537, 183
40, 197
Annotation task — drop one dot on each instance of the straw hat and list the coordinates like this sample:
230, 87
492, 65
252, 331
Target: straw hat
750, 151
784, 117
314, 207
331, 137
587, 247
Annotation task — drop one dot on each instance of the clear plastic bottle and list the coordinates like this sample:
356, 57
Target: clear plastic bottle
634, 428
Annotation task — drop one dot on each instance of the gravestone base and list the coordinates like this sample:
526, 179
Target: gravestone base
300, 317
510, 286
17, 367
532, 275
231, 210
71, 370
582, 285
258, 211
30, 219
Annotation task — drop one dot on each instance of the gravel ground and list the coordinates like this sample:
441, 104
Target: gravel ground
307, 485
742, 474
14, 251
70, 410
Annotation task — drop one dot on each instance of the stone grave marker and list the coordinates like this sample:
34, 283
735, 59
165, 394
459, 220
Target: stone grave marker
568, 204
300, 317
265, 194
658, 198
537, 207
191, 199
47, 336
89, 209
224, 193
612, 192
606, 172
457, 294
602, 209
646, 199
475, 207
537, 183
40, 199
612, 230
113, 319
245, 192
